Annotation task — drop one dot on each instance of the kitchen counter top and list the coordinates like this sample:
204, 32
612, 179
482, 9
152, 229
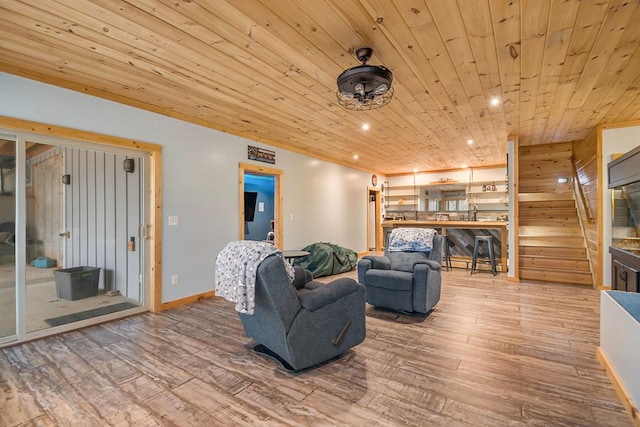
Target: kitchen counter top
445, 224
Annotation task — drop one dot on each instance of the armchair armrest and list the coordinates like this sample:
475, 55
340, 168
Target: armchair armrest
302, 277
368, 262
327, 294
433, 265
378, 262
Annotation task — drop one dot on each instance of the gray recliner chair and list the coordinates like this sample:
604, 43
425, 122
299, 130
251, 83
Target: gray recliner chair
403, 281
304, 323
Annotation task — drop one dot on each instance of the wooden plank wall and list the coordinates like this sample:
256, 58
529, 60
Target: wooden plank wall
103, 211
585, 155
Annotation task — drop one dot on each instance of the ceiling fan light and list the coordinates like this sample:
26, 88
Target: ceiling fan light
380, 89
364, 86
345, 95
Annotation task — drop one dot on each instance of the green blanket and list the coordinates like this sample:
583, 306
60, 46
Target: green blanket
326, 259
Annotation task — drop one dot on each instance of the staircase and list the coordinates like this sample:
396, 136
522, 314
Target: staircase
551, 243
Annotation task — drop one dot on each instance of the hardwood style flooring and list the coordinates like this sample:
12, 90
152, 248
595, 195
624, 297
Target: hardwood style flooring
493, 353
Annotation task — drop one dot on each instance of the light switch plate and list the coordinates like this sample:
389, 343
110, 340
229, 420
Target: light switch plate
260, 206
174, 220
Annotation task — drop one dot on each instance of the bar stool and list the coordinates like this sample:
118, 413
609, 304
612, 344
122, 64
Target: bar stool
447, 253
488, 240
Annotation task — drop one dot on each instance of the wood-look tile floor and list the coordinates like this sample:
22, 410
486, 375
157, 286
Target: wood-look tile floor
492, 353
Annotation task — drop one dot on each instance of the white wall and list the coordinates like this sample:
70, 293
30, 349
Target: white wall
327, 202
614, 141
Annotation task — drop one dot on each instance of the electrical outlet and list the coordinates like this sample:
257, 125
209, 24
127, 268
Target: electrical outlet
175, 280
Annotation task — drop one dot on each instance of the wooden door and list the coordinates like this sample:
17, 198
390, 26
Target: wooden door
43, 235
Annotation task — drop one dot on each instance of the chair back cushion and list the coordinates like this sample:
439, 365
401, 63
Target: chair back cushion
276, 297
404, 261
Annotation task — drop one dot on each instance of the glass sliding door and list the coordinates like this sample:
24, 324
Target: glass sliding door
8, 284
84, 251
73, 239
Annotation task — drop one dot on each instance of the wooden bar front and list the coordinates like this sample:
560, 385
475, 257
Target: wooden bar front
461, 235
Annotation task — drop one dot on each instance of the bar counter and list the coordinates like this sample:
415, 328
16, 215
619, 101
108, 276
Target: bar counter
461, 236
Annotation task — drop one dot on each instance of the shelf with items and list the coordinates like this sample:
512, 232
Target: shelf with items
401, 197
493, 192
481, 187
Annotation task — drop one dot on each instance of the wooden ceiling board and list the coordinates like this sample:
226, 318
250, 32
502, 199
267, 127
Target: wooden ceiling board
505, 16
616, 77
562, 18
266, 69
599, 57
476, 16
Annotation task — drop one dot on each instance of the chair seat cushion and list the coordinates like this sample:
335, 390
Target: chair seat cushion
390, 279
404, 261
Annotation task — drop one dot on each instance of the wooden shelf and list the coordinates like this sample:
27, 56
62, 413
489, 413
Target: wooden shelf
401, 196
488, 192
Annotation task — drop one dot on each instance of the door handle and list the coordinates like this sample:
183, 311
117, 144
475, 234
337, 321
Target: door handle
65, 234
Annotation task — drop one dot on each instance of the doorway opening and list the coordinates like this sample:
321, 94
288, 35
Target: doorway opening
259, 207
260, 203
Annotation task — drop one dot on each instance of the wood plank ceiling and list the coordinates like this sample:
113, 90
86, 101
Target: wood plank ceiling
266, 69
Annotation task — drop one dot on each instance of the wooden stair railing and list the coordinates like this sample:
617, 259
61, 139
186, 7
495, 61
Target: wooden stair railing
577, 188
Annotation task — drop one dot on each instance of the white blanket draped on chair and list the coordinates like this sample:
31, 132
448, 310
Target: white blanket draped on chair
409, 239
235, 273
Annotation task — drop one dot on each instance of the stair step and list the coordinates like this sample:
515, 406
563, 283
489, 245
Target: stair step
536, 184
557, 222
543, 196
554, 242
545, 275
553, 251
553, 263
548, 231
547, 204
548, 213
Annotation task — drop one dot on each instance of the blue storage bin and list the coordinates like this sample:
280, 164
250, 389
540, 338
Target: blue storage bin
43, 262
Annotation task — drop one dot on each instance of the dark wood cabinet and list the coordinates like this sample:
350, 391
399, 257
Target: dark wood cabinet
625, 268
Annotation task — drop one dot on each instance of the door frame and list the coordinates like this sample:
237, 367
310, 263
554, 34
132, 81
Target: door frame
153, 270
378, 218
278, 192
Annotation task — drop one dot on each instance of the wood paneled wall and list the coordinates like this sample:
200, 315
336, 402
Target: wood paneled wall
585, 156
103, 210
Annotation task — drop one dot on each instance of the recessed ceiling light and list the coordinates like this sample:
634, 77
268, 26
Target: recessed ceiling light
464, 166
495, 101
415, 170
365, 126
470, 141
355, 157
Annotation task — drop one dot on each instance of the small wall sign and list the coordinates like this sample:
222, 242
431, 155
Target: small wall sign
374, 180
261, 155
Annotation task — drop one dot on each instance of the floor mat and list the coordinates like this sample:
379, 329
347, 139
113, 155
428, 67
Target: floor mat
88, 314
